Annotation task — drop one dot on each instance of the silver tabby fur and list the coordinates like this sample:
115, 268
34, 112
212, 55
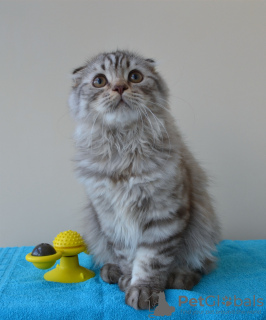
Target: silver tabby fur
150, 219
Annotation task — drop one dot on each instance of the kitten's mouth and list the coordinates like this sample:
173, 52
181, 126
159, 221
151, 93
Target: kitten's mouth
122, 104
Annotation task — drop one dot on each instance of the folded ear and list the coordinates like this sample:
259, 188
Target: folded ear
77, 76
152, 63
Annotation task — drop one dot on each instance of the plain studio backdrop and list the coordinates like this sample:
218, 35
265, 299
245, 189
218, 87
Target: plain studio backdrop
212, 55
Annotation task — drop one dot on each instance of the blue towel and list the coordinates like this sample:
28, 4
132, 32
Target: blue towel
235, 290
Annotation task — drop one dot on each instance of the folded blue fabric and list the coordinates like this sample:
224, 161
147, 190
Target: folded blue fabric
235, 290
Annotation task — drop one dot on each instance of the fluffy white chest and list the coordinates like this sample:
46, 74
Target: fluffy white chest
124, 231
113, 204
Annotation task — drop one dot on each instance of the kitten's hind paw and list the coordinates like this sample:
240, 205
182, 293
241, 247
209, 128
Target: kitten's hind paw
141, 297
111, 273
183, 280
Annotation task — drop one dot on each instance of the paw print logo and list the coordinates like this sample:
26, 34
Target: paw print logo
227, 301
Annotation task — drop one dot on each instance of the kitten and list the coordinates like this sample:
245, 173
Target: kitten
150, 219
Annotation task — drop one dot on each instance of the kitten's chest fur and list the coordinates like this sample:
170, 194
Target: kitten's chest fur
122, 206
126, 204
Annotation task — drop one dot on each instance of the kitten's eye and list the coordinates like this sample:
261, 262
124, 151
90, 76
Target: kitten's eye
99, 81
135, 76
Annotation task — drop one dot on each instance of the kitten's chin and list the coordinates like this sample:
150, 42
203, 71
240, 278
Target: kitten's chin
122, 116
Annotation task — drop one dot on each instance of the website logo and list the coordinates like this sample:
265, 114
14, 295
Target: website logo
163, 308
217, 301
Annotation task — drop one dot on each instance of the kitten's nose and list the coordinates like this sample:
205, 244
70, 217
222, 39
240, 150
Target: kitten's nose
120, 88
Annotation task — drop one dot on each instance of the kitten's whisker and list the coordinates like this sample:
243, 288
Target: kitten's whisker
138, 110
143, 107
88, 116
158, 121
159, 105
147, 117
137, 95
184, 100
159, 136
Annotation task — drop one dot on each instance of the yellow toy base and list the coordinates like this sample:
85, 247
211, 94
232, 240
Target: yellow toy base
69, 271
43, 262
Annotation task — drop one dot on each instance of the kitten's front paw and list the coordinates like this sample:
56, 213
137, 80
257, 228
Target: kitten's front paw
124, 282
111, 273
141, 297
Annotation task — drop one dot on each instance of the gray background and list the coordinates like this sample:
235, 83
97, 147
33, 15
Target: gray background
212, 54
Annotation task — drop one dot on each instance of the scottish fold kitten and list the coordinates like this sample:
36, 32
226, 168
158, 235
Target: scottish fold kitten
150, 219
